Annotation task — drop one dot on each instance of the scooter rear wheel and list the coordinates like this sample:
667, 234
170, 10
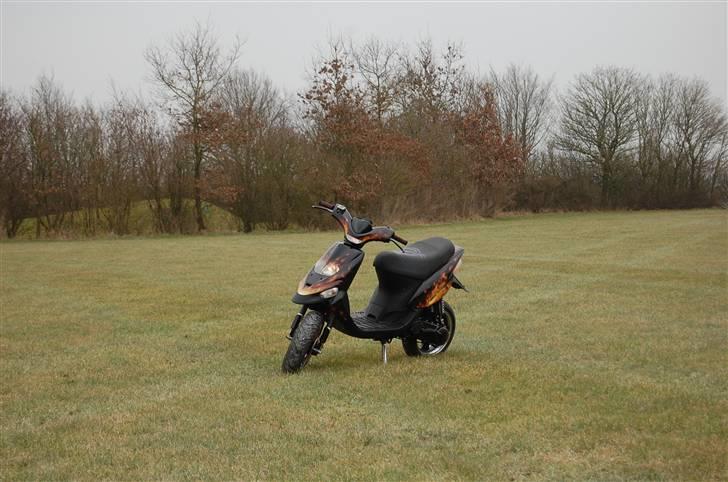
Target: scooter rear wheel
302, 342
414, 347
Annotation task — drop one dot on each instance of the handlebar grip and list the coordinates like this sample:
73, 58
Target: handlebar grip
399, 239
327, 205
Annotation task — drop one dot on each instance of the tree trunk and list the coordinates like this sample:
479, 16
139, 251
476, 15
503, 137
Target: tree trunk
198, 196
606, 181
198, 205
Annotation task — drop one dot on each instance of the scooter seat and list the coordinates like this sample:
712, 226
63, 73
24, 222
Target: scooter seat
419, 260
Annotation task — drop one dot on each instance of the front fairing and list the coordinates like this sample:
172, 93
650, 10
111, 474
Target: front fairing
335, 269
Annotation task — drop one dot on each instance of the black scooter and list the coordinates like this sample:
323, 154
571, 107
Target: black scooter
407, 304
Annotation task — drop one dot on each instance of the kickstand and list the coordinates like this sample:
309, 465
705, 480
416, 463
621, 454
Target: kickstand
384, 352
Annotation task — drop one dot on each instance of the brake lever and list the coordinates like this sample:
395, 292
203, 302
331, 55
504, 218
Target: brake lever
398, 245
316, 206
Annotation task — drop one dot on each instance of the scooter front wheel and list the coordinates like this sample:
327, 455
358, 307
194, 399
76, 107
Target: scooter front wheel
414, 347
299, 351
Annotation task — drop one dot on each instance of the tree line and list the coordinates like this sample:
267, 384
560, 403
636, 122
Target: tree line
394, 132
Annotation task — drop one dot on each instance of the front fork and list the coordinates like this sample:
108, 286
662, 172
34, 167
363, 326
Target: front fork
319, 344
296, 320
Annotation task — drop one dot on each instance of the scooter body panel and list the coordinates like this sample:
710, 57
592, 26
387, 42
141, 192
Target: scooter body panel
434, 288
335, 269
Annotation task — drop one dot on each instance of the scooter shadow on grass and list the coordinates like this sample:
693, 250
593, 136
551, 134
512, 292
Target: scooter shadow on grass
365, 360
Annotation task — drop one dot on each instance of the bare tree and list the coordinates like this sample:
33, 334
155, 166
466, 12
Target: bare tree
654, 118
91, 170
432, 84
598, 120
189, 72
50, 119
700, 123
253, 99
493, 161
151, 145
719, 176
119, 185
253, 110
14, 195
377, 65
524, 105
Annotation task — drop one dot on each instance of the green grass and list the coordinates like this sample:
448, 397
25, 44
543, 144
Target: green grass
590, 346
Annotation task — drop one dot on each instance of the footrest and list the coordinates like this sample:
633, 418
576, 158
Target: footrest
367, 324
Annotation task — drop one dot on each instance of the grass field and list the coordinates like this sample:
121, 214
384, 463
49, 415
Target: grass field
590, 346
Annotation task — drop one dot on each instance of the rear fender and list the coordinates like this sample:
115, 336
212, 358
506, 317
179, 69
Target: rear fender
434, 288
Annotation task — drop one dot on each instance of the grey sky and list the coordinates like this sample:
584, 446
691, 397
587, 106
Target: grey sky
85, 45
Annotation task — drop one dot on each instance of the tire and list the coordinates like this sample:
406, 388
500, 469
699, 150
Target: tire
306, 334
414, 347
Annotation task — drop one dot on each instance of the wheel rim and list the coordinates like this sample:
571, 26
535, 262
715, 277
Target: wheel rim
426, 348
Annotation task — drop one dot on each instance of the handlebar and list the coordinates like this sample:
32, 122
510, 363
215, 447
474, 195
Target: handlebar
399, 239
326, 204
346, 220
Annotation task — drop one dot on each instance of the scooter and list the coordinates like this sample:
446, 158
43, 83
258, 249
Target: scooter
407, 303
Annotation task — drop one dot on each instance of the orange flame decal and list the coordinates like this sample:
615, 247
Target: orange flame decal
443, 283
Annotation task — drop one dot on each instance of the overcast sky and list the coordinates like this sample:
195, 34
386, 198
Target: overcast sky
86, 45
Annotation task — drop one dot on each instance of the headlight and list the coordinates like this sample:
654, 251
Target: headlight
329, 270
